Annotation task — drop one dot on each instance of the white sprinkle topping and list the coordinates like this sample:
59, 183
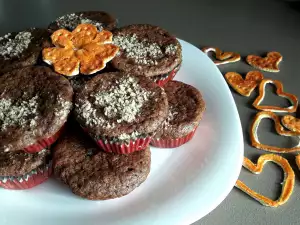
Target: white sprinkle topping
18, 113
71, 21
13, 47
124, 101
142, 52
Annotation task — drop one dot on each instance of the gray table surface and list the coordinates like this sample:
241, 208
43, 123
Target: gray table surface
247, 27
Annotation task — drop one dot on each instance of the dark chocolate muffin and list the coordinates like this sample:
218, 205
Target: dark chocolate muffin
34, 106
120, 108
94, 174
20, 49
18, 163
21, 170
147, 50
186, 107
100, 19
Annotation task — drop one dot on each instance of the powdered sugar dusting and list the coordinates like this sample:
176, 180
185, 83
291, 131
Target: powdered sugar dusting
124, 101
20, 113
71, 21
13, 47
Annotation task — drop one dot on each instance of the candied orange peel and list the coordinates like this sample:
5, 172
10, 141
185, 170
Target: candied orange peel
279, 91
222, 57
244, 86
291, 123
298, 161
269, 63
85, 50
287, 184
279, 129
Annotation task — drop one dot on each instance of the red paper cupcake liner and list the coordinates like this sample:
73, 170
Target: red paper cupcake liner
170, 76
44, 143
124, 148
34, 179
172, 143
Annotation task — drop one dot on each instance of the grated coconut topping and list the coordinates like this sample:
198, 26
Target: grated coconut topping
171, 49
71, 21
124, 101
142, 52
13, 47
172, 113
19, 113
89, 113
126, 137
64, 108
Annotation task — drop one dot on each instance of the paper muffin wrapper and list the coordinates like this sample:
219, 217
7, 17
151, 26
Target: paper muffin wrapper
109, 145
173, 143
44, 143
29, 180
161, 80
123, 148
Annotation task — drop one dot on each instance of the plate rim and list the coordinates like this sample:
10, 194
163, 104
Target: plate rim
210, 209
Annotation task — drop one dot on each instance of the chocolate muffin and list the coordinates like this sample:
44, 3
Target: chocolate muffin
34, 106
147, 50
78, 82
100, 19
186, 107
20, 49
21, 170
94, 174
121, 111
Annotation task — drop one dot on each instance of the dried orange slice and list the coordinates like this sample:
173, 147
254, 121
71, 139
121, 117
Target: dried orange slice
84, 50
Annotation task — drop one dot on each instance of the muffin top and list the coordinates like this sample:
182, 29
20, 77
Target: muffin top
146, 50
100, 19
115, 104
34, 104
94, 174
18, 163
20, 49
186, 107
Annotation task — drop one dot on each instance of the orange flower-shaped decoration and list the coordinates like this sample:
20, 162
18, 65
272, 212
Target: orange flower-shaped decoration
84, 50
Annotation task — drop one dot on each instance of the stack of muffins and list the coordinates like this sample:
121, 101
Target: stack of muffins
92, 131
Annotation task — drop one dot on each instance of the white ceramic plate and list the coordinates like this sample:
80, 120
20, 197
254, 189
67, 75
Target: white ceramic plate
184, 184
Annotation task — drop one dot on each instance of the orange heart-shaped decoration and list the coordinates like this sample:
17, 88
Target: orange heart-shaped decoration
244, 86
279, 91
287, 184
291, 123
298, 161
269, 63
279, 129
222, 57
